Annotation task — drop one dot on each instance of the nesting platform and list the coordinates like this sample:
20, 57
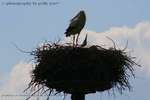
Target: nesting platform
86, 70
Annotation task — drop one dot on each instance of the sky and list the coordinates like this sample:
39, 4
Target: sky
29, 25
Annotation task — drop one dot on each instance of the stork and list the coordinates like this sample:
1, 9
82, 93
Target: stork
76, 25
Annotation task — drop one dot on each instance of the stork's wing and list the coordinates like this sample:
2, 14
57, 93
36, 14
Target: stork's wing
76, 24
75, 20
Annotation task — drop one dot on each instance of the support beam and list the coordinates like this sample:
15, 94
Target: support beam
78, 96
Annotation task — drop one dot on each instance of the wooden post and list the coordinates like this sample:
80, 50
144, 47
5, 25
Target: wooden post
77, 96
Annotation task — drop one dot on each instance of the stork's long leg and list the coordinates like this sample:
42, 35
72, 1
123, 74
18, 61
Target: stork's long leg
73, 40
77, 39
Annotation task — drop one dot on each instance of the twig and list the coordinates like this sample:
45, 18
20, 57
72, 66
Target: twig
49, 94
125, 46
112, 41
64, 96
33, 93
19, 48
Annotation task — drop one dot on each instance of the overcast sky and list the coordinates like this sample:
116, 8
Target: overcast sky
27, 25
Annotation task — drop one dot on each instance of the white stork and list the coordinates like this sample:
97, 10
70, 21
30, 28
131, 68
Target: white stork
76, 25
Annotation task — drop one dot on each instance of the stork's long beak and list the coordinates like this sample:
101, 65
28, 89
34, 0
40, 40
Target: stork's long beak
84, 43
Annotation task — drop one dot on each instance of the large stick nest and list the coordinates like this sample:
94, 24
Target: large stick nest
71, 69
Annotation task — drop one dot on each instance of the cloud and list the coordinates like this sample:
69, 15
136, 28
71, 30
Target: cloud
20, 77
17, 82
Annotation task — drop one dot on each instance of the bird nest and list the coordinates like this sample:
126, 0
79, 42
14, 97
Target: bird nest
71, 69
